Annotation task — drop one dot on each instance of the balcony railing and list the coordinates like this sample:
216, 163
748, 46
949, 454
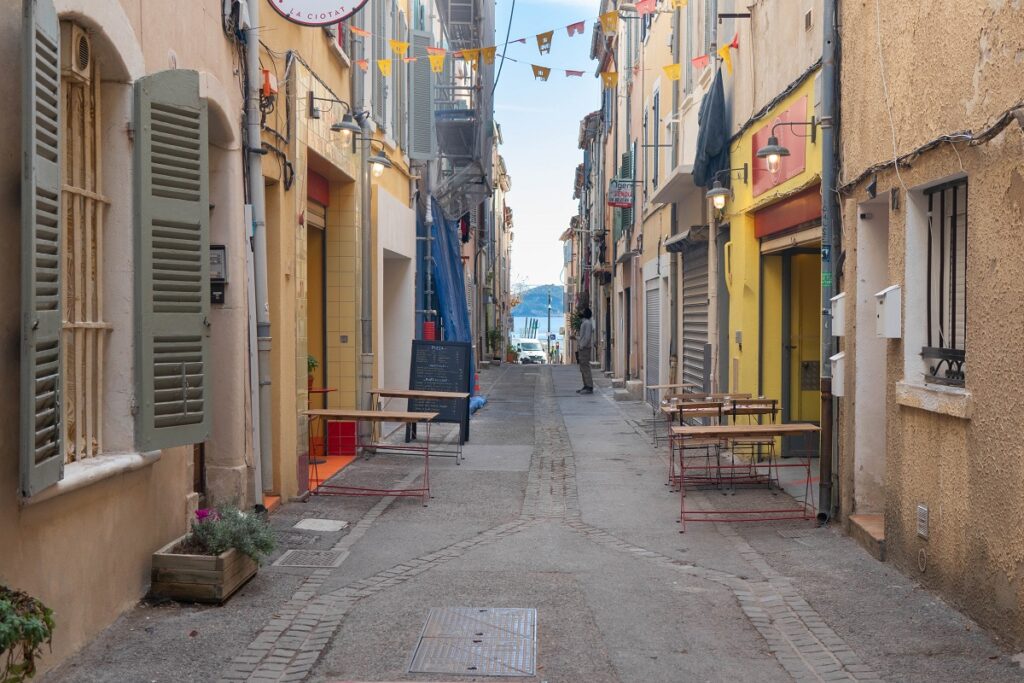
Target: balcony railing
945, 366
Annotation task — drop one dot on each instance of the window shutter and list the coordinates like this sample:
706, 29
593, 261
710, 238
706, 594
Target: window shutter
172, 290
42, 455
402, 94
421, 103
380, 51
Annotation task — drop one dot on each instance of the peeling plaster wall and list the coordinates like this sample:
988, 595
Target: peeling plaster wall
959, 454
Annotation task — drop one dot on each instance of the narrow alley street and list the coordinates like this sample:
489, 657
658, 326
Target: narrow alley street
560, 505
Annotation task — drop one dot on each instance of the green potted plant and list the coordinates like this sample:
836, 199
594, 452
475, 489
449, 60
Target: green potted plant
494, 341
26, 625
221, 552
311, 365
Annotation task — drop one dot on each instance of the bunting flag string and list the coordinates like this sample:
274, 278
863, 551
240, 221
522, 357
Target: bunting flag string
608, 23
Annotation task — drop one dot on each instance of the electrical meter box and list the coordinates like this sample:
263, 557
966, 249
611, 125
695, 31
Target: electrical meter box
888, 311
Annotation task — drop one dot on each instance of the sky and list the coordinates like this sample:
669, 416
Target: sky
540, 126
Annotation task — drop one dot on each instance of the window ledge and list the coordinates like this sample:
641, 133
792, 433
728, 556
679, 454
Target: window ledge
78, 475
951, 401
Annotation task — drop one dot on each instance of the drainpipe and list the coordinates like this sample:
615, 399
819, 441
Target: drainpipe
365, 378
714, 373
830, 245
259, 222
428, 256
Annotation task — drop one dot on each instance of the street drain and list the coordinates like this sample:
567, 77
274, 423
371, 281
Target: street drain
316, 559
478, 641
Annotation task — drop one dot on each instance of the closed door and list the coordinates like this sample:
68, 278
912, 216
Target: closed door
652, 336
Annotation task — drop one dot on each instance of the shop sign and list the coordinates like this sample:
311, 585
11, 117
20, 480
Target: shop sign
620, 194
317, 12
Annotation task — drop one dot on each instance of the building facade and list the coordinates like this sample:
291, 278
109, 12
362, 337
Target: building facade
129, 401
928, 197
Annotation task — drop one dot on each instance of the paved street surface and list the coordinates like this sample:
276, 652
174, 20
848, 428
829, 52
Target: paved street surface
561, 505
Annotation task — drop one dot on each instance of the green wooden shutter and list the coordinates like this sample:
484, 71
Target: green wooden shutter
42, 454
421, 101
627, 174
172, 290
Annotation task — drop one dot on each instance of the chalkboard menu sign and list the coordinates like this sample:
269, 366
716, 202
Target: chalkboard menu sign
442, 366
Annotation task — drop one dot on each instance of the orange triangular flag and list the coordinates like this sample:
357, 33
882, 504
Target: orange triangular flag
540, 72
363, 64
409, 60
436, 62
700, 62
436, 51
356, 31
673, 71
385, 67
609, 79
488, 53
544, 41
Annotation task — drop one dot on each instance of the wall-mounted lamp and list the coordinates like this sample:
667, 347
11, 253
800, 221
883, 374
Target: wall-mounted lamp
348, 126
378, 161
718, 194
773, 152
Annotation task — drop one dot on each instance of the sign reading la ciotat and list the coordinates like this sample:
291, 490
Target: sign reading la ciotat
316, 12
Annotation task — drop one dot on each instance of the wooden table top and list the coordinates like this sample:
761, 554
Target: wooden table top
370, 415
414, 393
734, 430
691, 412
684, 385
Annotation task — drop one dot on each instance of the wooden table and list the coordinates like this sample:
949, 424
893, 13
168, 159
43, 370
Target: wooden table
711, 471
377, 417
318, 391
410, 432
653, 400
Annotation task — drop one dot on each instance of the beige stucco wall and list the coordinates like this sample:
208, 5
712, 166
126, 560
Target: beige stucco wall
969, 472
86, 551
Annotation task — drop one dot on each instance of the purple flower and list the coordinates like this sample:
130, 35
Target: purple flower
203, 514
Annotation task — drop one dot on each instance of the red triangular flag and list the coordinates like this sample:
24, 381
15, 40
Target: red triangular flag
519, 40
578, 27
700, 62
735, 44
572, 72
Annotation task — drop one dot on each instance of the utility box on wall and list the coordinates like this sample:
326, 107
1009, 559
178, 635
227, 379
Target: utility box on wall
839, 315
838, 362
888, 313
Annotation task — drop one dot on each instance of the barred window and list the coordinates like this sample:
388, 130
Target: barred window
945, 352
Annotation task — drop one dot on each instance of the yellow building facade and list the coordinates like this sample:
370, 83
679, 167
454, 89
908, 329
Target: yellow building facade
772, 264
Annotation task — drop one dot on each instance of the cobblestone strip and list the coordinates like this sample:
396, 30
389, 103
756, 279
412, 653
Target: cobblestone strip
551, 485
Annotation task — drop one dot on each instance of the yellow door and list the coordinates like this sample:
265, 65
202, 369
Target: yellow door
805, 338
315, 308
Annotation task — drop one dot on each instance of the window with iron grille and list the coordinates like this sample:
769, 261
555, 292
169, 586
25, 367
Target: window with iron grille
946, 314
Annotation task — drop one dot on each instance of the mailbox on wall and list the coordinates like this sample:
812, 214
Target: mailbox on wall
839, 315
838, 362
888, 323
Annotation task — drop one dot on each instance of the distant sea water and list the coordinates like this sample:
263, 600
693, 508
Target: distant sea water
557, 323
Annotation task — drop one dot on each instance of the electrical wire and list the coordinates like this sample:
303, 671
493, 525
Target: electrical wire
504, 48
885, 92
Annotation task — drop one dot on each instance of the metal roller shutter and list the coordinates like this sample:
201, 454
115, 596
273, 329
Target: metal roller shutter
652, 338
695, 314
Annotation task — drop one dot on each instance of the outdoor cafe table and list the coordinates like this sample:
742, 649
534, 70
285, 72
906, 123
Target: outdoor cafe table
748, 472
377, 417
380, 393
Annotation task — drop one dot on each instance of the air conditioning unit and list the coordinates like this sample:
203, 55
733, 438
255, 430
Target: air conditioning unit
75, 52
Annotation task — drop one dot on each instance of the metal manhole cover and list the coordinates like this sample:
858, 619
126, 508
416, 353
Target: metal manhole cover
317, 559
478, 641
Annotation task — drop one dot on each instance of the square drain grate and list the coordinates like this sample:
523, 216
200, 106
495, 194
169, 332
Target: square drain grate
487, 641
317, 559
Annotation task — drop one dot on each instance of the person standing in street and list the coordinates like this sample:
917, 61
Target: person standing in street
585, 343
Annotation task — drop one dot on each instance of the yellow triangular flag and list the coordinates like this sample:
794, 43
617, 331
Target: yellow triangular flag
541, 72
673, 71
436, 63
678, 4
489, 53
609, 79
609, 23
723, 52
471, 55
544, 42
399, 48
385, 66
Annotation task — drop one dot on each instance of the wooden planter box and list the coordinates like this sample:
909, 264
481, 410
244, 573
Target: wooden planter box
199, 578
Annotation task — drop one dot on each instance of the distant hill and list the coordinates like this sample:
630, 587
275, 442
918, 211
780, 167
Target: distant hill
535, 301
